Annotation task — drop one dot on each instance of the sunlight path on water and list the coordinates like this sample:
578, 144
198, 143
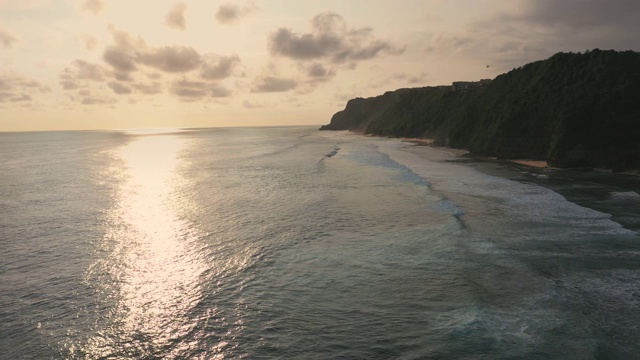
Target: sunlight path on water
149, 274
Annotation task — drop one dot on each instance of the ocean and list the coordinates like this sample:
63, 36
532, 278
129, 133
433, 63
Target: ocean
290, 243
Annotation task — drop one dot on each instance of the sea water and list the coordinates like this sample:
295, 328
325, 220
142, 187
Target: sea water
291, 243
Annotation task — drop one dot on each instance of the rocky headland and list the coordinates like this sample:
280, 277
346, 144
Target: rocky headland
573, 110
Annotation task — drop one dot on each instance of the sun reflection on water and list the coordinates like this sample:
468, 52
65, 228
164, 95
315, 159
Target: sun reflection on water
150, 273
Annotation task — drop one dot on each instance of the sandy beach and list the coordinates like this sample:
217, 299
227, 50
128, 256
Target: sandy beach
534, 163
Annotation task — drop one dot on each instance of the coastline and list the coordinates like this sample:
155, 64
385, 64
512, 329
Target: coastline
615, 194
541, 164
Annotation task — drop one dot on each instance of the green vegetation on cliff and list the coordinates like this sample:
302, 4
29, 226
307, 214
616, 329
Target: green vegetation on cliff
573, 110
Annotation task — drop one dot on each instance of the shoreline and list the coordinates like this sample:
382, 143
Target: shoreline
540, 164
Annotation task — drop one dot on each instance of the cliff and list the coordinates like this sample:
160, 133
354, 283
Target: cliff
572, 110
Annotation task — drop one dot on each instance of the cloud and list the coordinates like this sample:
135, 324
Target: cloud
7, 40
175, 17
580, 14
9, 97
15, 88
579, 24
317, 72
80, 73
218, 67
90, 42
121, 58
419, 79
148, 88
252, 104
123, 76
407, 78
450, 43
330, 38
171, 58
129, 59
69, 84
97, 100
123, 55
10, 82
119, 88
94, 6
273, 84
230, 13
85, 70
194, 90
540, 28
128, 52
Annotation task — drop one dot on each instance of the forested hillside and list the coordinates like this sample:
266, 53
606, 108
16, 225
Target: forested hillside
573, 110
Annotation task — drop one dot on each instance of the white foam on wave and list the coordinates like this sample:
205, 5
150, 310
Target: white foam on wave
493, 197
628, 196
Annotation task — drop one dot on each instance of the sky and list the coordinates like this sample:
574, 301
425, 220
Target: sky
114, 64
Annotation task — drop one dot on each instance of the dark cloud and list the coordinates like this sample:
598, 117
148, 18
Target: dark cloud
119, 88
230, 13
7, 40
218, 67
580, 25
175, 17
122, 60
194, 90
273, 84
330, 38
171, 59
541, 28
317, 70
94, 6
581, 14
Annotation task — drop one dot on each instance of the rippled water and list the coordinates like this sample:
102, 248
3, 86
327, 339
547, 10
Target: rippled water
290, 243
